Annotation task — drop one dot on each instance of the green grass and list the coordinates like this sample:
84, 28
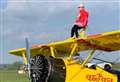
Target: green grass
12, 76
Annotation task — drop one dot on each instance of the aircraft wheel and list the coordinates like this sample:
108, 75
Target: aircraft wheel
39, 69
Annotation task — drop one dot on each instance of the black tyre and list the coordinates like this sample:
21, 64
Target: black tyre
40, 68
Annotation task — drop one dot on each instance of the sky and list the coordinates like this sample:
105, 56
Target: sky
46, 21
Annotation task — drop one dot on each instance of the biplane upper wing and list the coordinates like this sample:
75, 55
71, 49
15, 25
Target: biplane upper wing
109, 41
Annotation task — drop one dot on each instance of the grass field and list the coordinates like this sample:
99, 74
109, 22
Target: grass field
12, 76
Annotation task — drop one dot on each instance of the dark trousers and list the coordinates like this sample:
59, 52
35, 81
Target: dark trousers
74, 30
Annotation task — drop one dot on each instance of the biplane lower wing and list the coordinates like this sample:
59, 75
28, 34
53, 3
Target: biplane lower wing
109, 41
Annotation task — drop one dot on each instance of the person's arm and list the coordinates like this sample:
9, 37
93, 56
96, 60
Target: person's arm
77, 18
77, 22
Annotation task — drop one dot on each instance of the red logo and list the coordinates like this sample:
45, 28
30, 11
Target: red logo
99, 78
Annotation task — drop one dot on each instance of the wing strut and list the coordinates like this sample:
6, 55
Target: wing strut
24, 58
72, 51
52, 52
89, 56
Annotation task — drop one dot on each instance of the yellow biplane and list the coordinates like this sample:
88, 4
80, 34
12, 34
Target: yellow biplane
41, 58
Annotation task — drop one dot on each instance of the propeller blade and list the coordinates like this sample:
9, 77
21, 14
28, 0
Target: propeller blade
28, 56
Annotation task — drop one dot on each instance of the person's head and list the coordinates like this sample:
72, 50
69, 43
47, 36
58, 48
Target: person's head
81, 6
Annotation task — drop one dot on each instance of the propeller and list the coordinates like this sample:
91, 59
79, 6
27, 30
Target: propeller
28, 56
